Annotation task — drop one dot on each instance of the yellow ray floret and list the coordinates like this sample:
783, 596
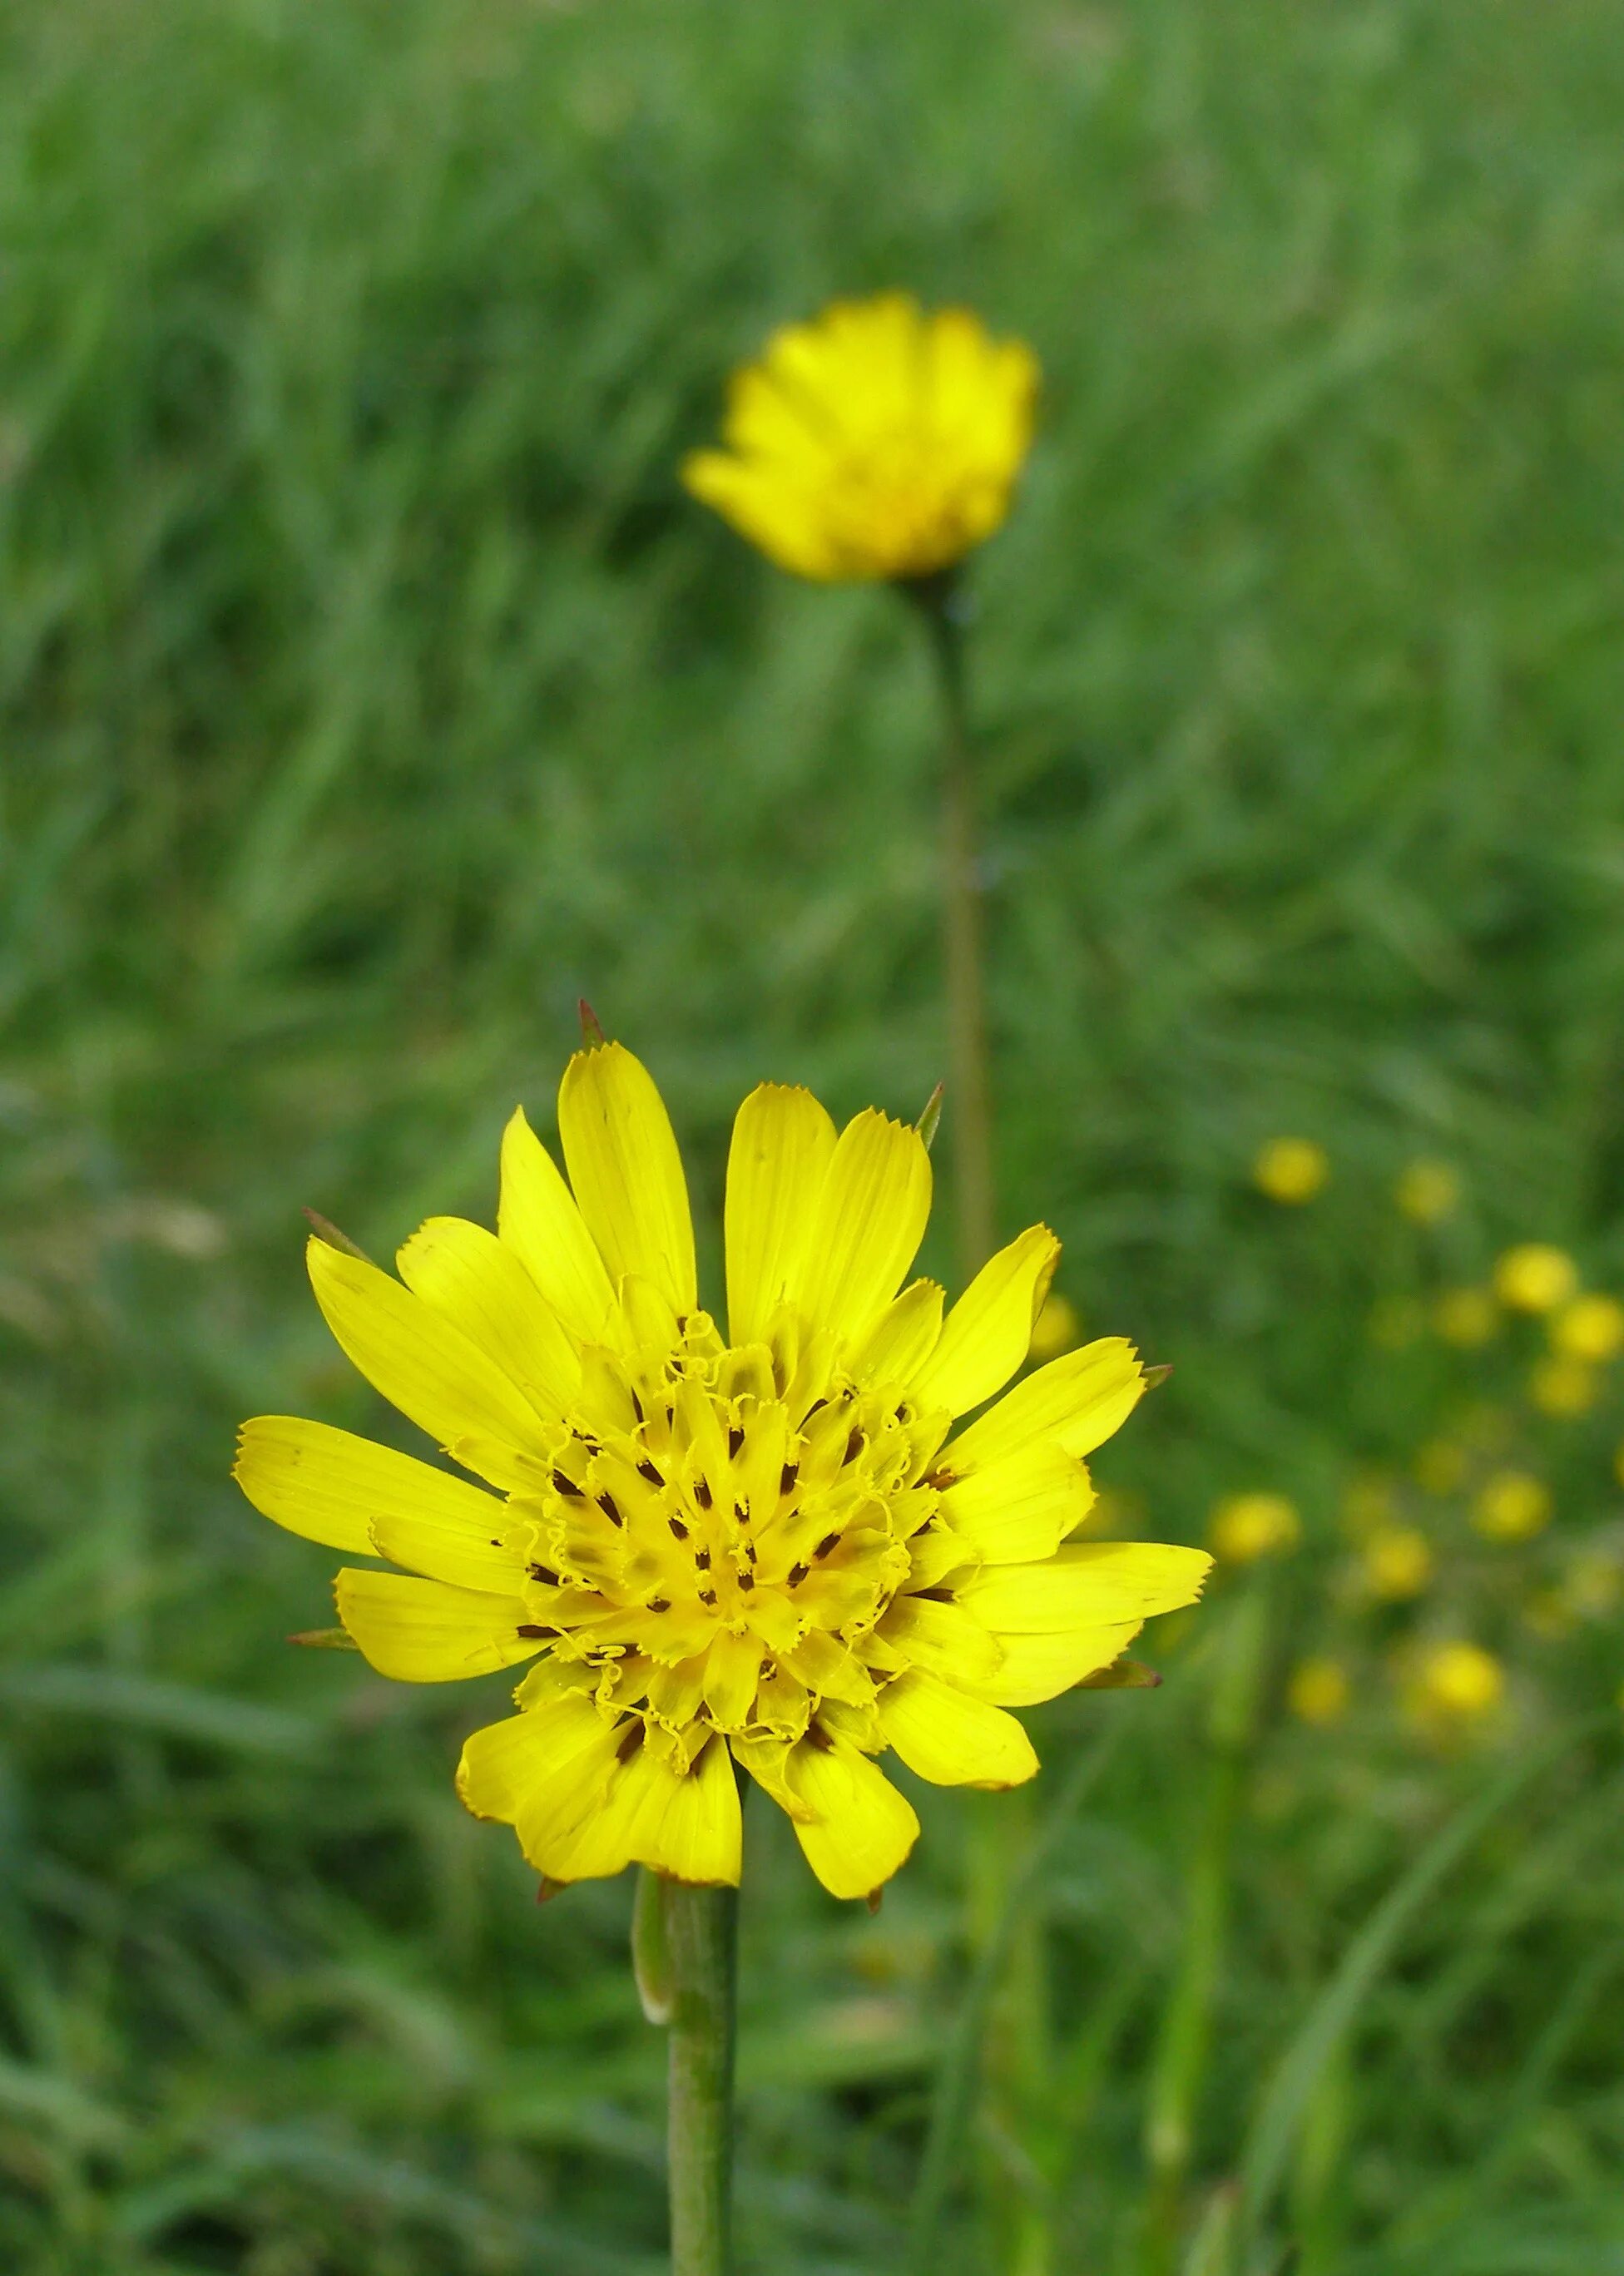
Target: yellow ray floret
878, 442
775, 1554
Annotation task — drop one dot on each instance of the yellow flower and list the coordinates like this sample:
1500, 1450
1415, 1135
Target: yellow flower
1427, 1191
1512, 1505
1245, 1527
1291, 1170
1456, 1684
1561, 1387
776, 1549
1466, 1317
1318, 1691
1397, 1563
1589, 1328
1057, 1328
876, 442
1534, 1278
1592, 1583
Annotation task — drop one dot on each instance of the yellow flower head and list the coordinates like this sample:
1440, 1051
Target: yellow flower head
876, 442
1291, 1170
1397, 1563
1456, 1684
1427, 1191
1512, 1505
1590, 1328
1466, 1317
1561, 1387
1246, 1526
1534, 1278
780, 1548
1057, 1328
1318, 1691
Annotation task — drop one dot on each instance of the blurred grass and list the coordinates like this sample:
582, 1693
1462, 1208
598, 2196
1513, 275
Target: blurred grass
369, 690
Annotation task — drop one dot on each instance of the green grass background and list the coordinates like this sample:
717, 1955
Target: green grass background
369, 691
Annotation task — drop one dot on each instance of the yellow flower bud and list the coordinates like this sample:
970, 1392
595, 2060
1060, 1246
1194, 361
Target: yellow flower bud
1534, 1278
1512, 1505
1563, 1388
1398, 1563
1245, 1527
1318, 1691
1589, 1328
1427, 1191
1457, 1683
1291, 1170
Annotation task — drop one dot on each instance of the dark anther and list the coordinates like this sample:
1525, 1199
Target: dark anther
702, 1492
746, 1580
797, 1574
606, 1502
544, 1573
659, 1603
735, 1439
934, 1596
853, 1446
646, 1469
494, 1543
940, 1479
820, 1739
707, 1595
829, 1541
629, 1745
591, 1444
678, 1527
812, 1410
741, 1511
530, 1629
787, 1476
702, 1557
637, 1405
749, 1551
561, 1485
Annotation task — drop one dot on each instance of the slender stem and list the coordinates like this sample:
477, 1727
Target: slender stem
969, 1088
701, 1937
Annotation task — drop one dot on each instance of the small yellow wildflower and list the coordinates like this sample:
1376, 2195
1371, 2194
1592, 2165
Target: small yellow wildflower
1440, 1466
1397, 1563
1562, 1388
1512, 1505
1318, 1691
1246, 1526
1466, 1317
776, 1549
876, 442
1457, 1684
1590, 1328
1534, 1278
1291, 1170
1056, 1330
1427, 1191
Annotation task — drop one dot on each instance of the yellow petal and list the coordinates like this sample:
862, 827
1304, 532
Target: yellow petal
544, 1772
467, 1276
943, 1636
780, 1151
897, 1345
423, 1364
869, 1222
1077, 1400
455, 1545
985, 1336
1020, 1509
1037, 1667
537, 1219
732, 1670
864, 1828
767, 1761
425, 1632
626, 1170
684, 1825
699, 1838
951, 1739
1085, 1584
331, 1486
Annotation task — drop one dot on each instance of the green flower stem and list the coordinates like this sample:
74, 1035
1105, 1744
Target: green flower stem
701, 1957
969, 1089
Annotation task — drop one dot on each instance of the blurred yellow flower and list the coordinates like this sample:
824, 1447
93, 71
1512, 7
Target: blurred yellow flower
1457, 1683
1512, 1505
1318, 1691
1534, 1278
1562, 1388
1427, 1191
1397, 1563
1440, 1466
1592, 1583
1291, 1170
1589, 1328
1056, 1330
1466, 1317
876, 442
1245, 1527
